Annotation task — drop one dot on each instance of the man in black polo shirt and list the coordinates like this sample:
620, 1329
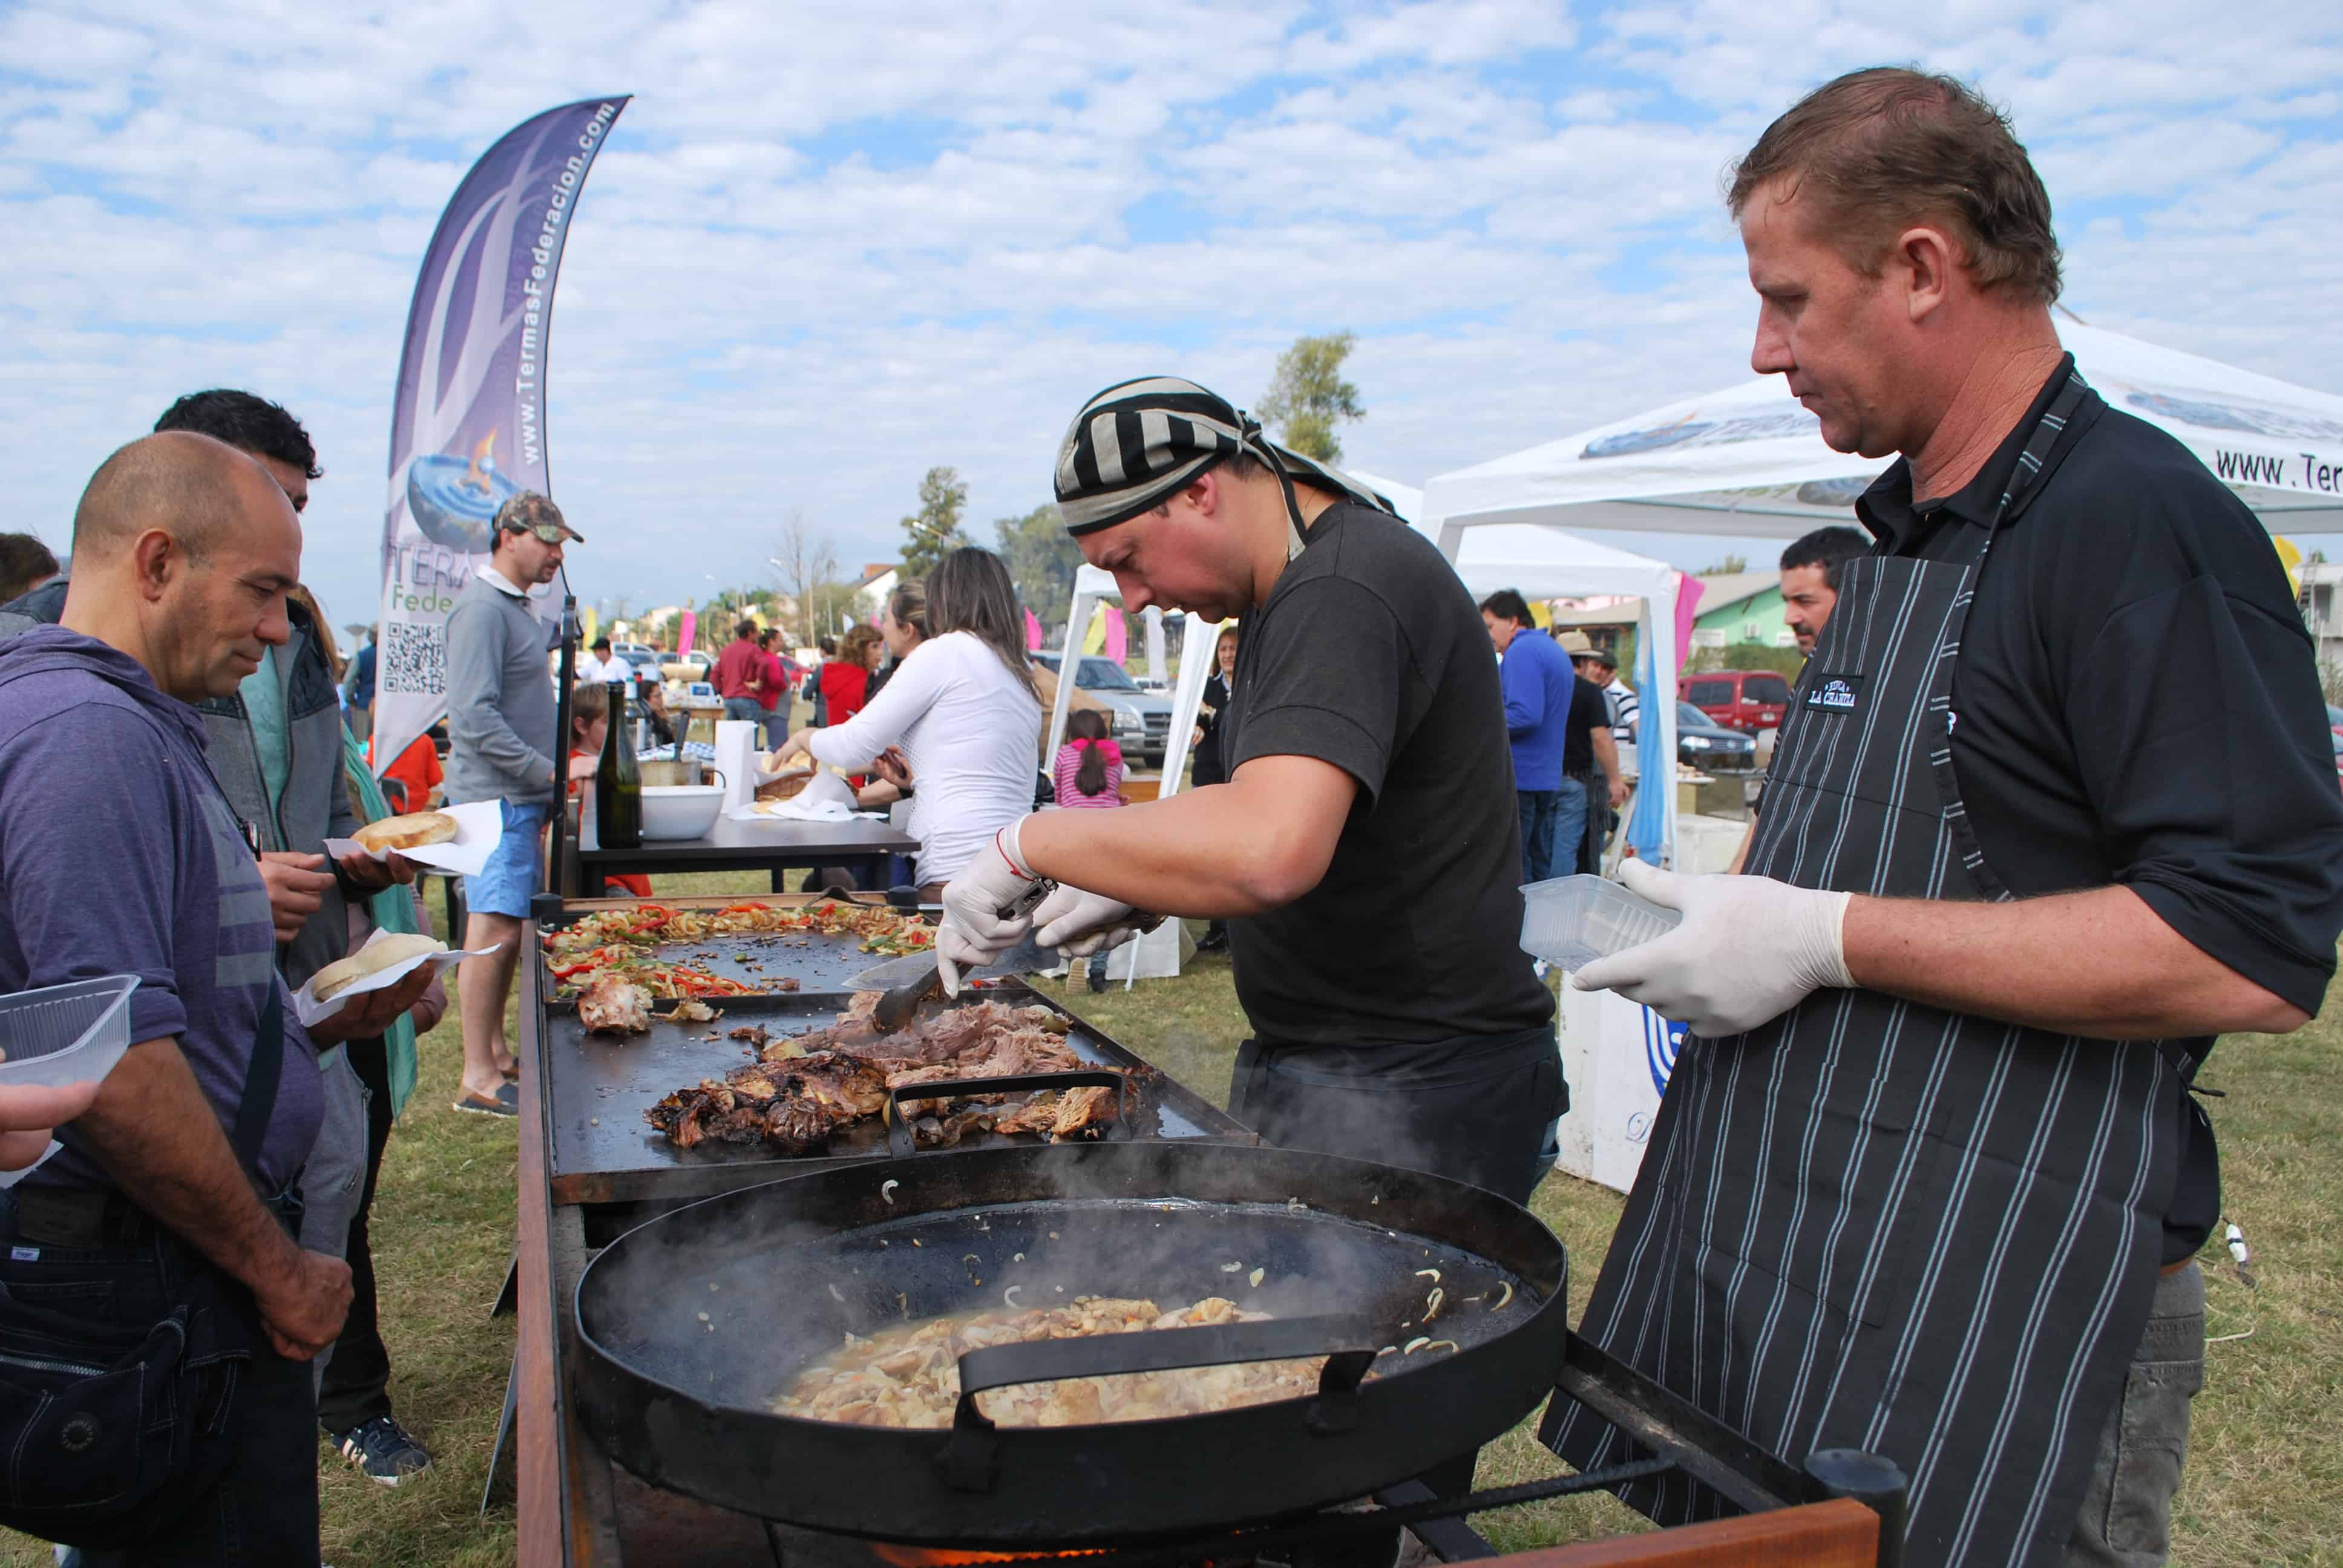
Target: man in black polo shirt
1365, 846
2055, 806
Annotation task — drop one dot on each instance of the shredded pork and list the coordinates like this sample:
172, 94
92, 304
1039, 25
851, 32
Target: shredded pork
910, 1376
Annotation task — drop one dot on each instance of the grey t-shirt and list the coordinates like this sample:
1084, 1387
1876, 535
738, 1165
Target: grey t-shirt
119, 855
500, 700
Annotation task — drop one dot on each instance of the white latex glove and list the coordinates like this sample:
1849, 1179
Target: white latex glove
1082, 925
1749, 949
972, 932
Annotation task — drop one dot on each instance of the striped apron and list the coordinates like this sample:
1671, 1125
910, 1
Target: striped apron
1876, 1224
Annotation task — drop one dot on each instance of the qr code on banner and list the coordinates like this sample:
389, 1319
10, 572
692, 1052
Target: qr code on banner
414, 659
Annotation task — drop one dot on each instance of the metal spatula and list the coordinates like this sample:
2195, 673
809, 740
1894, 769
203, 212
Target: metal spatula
911, 981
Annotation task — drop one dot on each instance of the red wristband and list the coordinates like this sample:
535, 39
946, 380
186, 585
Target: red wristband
997, 843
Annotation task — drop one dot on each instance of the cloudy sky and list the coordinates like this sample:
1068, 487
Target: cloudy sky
829, 246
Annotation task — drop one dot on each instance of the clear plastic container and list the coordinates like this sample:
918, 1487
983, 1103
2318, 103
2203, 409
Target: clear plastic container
1571, 921
65, 1034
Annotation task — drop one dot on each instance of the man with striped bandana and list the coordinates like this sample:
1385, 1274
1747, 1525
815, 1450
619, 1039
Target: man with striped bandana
1364, 847
1927, 1179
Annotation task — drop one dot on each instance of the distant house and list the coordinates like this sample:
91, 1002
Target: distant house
1606, 625
1741, 607
879, 580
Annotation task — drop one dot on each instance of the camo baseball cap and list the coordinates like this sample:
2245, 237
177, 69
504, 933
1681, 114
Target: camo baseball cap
530, 513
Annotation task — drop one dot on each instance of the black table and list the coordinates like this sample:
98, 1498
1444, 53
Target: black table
779, 845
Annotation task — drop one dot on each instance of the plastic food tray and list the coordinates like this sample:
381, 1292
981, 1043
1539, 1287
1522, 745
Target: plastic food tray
1571, 921
65, 1034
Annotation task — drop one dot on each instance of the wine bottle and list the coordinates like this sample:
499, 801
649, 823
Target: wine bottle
617, 783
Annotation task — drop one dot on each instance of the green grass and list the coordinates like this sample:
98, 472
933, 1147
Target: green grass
2264, 1478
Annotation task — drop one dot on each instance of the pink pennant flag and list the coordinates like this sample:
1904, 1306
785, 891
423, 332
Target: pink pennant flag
1117, 637
1688, 592
683, 637
1033, 632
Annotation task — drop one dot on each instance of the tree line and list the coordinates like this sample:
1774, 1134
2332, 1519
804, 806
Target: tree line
1306, 402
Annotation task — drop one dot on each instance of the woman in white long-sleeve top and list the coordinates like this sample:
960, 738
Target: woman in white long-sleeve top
962, 710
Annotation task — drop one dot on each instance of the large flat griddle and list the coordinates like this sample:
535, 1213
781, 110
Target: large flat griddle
603, 1151
817, 962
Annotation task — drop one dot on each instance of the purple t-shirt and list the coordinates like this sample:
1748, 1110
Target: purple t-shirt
119, 855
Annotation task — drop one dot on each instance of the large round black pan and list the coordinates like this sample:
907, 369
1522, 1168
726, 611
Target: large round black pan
692, 1324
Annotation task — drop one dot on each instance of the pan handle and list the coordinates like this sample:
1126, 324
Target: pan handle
902, 1145
970, 1457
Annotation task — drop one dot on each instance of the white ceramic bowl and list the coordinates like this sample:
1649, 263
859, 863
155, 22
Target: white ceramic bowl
680, 811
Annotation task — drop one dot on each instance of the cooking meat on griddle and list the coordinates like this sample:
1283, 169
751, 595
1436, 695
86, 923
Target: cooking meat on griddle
806, 1087
612, 1005
793, 1104
948, 1035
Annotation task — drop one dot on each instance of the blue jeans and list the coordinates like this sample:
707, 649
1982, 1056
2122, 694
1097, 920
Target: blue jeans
1569, 828
1553, 824
1537, 833
264, 1511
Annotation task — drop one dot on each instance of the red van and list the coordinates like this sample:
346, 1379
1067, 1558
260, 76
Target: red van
1743, 700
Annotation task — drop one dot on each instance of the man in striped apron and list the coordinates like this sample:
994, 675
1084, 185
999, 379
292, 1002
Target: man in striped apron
1928, 1180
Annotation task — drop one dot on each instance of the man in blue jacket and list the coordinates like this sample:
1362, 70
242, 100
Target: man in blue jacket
1559, 725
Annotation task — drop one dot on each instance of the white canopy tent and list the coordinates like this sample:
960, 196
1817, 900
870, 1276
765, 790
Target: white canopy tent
1749, 461
1092, 588
1161, 951
1544, 562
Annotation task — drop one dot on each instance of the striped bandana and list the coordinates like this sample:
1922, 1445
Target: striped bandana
1138, 443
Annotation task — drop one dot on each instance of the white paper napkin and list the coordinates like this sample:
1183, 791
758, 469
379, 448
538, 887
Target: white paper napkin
309, 1010
827, 798
478, 827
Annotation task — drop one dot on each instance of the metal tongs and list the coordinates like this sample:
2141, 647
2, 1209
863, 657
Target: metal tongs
901, 1003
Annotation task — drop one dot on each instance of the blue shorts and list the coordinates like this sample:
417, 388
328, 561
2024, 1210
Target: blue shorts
512, 875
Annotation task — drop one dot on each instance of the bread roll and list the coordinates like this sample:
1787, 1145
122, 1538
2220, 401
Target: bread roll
787, 787
395, 949
411, 832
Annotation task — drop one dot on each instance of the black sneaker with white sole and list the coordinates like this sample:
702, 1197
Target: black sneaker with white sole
382, 1449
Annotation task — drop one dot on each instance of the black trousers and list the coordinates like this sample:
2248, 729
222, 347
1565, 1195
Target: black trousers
1474, 1109
356, 1384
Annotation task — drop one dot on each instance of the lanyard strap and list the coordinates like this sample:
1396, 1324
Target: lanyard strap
266, 1068
258, 1101
2032, 460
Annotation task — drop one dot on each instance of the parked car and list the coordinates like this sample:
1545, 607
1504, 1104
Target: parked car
1142, 720
1711, 747
645, 662
1743, 700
